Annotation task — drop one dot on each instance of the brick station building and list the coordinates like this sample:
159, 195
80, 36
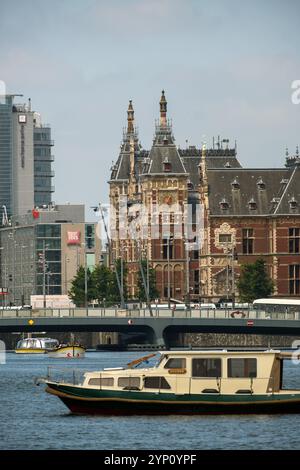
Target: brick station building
246, 214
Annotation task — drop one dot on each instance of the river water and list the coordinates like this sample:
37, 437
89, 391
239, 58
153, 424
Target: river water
31, 419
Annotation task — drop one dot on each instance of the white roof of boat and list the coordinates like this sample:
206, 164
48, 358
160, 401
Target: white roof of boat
193, 352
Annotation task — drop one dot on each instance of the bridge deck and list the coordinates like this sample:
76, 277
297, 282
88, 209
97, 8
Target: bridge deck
156, 327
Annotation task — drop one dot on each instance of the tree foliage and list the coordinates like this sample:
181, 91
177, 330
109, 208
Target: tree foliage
77, 291
254, 282
102, 279
102, 285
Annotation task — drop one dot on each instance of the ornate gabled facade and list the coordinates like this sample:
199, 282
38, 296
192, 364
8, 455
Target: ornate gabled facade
196, 215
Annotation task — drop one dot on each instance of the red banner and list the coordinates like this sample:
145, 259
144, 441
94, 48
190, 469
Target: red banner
74, 238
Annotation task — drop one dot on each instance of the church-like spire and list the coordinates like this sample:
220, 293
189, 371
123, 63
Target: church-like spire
130, 118
163, 110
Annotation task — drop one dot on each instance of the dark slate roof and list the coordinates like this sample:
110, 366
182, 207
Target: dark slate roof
191, 165
290, 199
159, 154
222, 162
262, 188
121, 169
215, 158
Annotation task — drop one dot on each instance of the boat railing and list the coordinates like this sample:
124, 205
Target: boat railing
179, 384
65, 374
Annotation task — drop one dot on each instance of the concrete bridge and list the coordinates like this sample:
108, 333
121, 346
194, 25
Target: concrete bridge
157, 328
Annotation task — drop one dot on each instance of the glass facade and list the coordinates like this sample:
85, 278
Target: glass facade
6, 153
48, 236
89, 236
42, 166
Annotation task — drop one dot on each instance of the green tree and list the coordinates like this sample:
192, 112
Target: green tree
254, 282
153, 292
102, 280
77, 291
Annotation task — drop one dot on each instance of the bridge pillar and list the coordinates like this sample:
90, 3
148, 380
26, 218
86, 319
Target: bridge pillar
158, 335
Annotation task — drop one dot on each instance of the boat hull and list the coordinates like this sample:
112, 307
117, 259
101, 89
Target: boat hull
30, 351
68, 352
81, 400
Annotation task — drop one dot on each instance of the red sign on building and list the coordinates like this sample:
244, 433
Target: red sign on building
35, 213
74, 237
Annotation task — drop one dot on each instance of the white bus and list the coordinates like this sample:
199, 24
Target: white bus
277, 305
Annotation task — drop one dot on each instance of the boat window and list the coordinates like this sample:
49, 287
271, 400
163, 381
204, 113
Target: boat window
176, 363
206, 367
103, 381
240, 367
128, 382
156, 382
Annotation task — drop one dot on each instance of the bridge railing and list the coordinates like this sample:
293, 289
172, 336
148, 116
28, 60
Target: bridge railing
142, 313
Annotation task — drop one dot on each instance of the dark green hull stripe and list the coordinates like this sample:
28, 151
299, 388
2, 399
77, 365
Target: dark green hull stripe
119, 402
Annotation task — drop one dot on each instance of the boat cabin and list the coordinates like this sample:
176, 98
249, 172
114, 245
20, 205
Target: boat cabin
196, 372
37, 343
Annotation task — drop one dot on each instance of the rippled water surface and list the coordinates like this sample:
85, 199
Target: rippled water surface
32, 419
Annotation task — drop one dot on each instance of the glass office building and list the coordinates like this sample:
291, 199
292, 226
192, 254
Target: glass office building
26, 173
43, 173
6, 153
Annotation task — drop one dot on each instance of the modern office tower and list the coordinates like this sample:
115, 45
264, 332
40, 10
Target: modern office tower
6, 164
25, 158
43, 159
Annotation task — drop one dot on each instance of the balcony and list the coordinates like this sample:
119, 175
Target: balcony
44, 158
48, 174
44, 189
48, 142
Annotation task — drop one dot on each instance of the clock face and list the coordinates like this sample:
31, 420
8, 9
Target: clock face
22, 118
167, 197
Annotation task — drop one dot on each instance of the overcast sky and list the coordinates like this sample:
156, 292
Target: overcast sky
226, 66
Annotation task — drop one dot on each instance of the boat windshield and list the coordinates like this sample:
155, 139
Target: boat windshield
159, 359
51, 343
142, 360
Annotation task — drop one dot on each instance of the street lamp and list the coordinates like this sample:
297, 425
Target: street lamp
43, 263
85, 276
168, 244
187, 244
66, 274
231, 257
22, 284
4, 296
48, 281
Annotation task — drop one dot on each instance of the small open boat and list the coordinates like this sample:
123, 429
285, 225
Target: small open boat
184, 382
36, 345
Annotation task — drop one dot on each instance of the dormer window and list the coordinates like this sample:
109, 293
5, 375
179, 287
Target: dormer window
190, 185
260, 184
224, 204
293, 203
166, 140
235, 184
227, 165
275, 201
252, 204
167, 165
